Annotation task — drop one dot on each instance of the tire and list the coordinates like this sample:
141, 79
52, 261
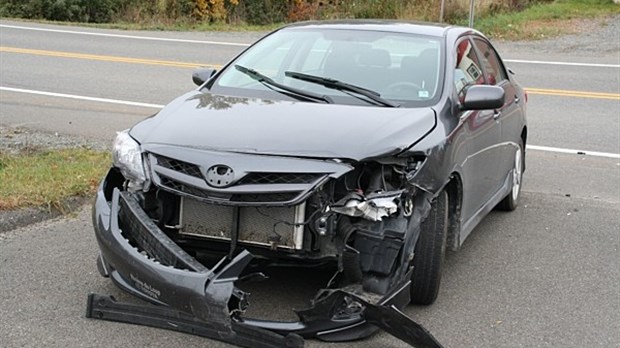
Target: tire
511, 201
429, 253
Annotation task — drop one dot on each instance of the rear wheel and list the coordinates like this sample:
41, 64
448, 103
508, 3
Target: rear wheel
510, 202
429, 253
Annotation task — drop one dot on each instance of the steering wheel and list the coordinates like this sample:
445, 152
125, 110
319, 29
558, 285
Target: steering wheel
402, 87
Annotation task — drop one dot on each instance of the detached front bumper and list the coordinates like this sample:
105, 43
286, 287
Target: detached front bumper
142, 260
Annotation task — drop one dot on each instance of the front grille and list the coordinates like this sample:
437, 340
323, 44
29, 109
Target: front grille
275, 226
240, 198
278, 178
179, 166
181, 187
254, 188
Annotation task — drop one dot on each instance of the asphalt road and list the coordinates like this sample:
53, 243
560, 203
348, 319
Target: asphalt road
546, 275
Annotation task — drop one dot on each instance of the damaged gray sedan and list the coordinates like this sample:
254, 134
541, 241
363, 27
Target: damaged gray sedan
368, 146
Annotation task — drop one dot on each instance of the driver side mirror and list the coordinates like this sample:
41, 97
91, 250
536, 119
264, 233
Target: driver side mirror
202, 75
483, 97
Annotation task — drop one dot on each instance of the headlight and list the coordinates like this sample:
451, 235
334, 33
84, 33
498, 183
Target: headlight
126, 156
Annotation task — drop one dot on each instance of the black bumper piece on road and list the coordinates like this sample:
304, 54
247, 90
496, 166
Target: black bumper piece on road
188, 297
107, 308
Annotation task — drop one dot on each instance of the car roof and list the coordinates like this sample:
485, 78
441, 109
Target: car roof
398, 26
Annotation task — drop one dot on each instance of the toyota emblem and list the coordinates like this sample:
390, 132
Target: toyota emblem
220, 176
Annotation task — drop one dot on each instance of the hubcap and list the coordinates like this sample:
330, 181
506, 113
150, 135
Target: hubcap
516, 175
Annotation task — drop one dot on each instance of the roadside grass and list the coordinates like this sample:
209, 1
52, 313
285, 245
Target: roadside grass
545, 19
187, 26
181, 25
49, 178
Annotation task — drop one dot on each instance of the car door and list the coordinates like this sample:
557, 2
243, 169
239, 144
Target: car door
482, 132
510, 115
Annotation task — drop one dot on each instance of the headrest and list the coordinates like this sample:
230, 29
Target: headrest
375, 58
409, 63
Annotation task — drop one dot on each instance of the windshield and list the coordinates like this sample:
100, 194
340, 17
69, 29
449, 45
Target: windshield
396, 67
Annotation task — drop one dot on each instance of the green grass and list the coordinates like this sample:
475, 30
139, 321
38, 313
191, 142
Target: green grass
49, 178
543, 20
159, 26
180, 26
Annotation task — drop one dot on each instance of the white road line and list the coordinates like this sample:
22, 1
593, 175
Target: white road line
126, 36
238, 44
573, 151
596, 65
81, 97
158, 106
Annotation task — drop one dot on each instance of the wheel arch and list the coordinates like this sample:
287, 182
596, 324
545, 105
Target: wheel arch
454, 188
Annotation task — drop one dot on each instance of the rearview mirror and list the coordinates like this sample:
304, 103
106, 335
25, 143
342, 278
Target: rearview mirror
202, 75
483, 97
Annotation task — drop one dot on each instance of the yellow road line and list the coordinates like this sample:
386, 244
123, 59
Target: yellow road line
533, 91
579, 94
104, 58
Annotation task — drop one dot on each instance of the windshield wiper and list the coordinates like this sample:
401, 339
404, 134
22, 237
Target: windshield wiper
341, 86
290, 91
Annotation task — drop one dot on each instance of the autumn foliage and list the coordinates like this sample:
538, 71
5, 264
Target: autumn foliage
168, 12
212, 10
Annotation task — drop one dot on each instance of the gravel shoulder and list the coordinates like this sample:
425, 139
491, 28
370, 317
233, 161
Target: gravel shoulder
15, 140
593, 40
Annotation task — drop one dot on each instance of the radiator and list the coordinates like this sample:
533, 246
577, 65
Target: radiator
274, 226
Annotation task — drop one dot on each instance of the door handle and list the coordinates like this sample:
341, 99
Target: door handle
517, 99
497, 114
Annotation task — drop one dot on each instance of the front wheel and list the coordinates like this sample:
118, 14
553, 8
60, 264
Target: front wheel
429, 253
510, 202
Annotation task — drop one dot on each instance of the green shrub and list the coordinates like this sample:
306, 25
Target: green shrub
258, 12
376, 8
97, 11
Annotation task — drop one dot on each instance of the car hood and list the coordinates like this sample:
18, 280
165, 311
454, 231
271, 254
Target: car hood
285, 128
